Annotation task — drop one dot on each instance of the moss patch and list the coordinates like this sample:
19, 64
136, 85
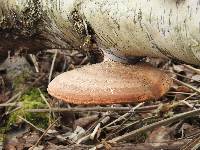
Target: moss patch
19, 80
31, 100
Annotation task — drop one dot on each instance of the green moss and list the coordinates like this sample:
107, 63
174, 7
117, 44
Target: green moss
2, 137
2, 134
19, 80
31, 100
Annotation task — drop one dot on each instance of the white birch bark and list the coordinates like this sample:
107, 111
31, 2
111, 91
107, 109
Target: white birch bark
147, 27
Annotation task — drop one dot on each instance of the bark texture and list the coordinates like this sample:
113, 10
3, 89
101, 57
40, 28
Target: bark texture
163, 28
127, 28
37, 24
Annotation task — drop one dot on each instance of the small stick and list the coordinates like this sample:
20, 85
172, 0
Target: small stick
47, 103
41, 130
97, 128
13, 97
192, 145
125, 115
170, 92
52, 65
45, 100
35, 63
10, 104
145, 120
187, 103
84, 60
105, 117
187, 85
191, 96
192, 68
153, 126
85, 138
14, 110
44, 133
186, 77
89, 109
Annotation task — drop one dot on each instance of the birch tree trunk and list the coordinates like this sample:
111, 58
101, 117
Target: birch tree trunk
127, 28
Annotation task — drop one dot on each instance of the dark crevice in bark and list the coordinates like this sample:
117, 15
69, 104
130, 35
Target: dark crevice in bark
88, 36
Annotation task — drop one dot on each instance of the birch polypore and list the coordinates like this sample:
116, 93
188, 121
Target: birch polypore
156, 28
110, 83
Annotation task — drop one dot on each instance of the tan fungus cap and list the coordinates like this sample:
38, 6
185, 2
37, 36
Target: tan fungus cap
110, 82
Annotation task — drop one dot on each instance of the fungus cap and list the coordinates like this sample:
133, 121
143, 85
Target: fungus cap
110, 82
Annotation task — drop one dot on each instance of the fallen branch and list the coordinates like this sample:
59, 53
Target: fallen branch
87, 109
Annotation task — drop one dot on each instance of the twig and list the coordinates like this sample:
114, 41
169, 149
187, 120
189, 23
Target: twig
185, 93
117, 129
89, 109
105, 117
41, 130
97, 128
44, 133
99, 109
187, 85
34, 61
192, 145
153, 125
125, 115
13, 97
10, 104
52, 65
91, 136
47, 103
192, 68
85, 138
191, 96
44, 99
187, 77
132, 124
13, 110
187, 103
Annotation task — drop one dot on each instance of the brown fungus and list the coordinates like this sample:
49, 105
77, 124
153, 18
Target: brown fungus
110, 82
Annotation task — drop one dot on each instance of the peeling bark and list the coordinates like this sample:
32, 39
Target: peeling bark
126, 28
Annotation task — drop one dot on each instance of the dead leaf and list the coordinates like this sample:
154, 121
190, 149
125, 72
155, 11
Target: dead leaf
159, 135
85, 121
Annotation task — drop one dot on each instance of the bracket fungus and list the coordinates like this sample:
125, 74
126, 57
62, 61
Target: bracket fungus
110, 82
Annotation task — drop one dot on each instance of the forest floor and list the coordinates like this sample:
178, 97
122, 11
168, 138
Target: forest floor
32, 119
